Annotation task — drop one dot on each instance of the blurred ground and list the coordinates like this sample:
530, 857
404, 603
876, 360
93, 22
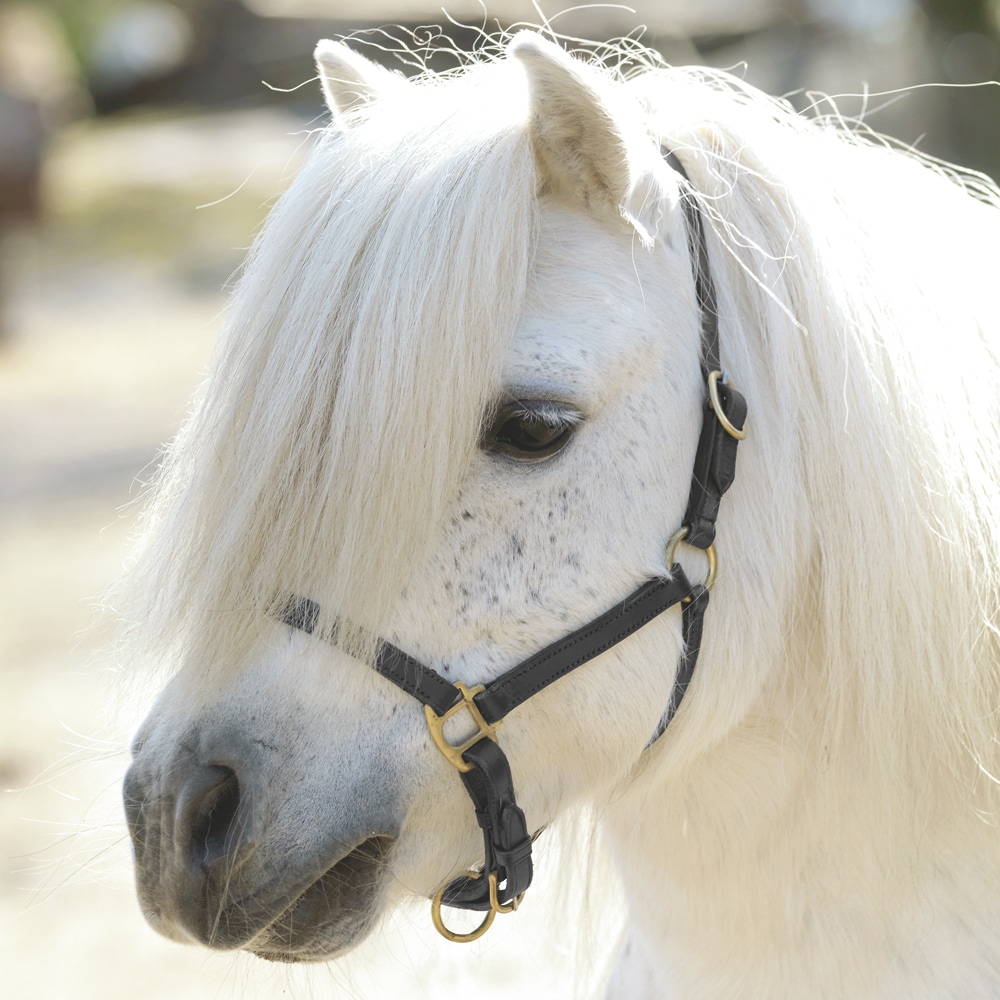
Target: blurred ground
107, 325
113, 306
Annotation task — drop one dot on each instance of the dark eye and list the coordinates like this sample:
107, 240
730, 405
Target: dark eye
531, 430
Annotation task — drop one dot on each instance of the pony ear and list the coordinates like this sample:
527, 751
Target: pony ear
349, 80
582, 148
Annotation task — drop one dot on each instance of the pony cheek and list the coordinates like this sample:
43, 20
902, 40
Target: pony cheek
439, 838
622, 704
592, 727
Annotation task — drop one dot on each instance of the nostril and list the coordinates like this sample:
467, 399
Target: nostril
211, 823
218, 830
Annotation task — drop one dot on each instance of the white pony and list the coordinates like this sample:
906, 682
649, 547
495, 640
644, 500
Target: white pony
457, 408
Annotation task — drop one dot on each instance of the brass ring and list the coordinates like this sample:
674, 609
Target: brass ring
451, 935
713, 564
713, 398
495, 903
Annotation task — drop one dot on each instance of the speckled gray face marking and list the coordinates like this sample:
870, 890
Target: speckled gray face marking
532, 549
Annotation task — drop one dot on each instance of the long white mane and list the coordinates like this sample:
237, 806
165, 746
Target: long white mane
865, 358
364, 347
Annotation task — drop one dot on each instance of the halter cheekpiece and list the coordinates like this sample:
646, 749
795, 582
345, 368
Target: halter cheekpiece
482, 765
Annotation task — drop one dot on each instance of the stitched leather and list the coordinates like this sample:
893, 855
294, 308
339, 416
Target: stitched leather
704, 286
423, 683
506, 843
714, 467
554, 661
692, 622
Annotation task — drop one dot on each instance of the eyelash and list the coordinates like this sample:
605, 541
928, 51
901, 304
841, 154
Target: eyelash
531, 430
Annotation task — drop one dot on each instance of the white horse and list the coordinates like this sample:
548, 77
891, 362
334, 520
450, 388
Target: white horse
457, 410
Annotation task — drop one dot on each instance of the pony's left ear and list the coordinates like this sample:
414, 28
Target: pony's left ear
587, 149
349, 80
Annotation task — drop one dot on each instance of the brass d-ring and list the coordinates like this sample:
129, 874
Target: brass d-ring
713, 397
495, 903
451, 935
713, 564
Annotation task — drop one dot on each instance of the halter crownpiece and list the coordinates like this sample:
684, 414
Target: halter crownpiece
482, 765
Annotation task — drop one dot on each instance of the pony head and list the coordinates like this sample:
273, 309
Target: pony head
502, 247
457, 408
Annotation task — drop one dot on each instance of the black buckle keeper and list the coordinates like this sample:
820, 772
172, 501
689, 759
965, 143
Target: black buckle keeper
714, 467
512, 862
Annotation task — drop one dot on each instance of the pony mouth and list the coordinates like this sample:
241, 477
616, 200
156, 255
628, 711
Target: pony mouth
333, 913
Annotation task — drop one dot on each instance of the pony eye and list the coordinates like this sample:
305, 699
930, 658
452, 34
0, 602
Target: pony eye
531, 430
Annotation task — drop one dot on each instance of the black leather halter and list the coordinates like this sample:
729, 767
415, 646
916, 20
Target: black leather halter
483, 766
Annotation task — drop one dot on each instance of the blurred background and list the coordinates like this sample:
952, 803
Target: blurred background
141, 144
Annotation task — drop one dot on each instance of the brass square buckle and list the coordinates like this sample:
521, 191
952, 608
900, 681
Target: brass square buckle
435, 723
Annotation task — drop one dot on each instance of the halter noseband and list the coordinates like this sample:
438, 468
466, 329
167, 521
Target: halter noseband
481, 762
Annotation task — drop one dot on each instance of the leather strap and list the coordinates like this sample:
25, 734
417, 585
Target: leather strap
532, 675
506, 843
714, 466
406, 672
529, 677
301, 613
423, 683
715, 459
708, 306
692, 623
